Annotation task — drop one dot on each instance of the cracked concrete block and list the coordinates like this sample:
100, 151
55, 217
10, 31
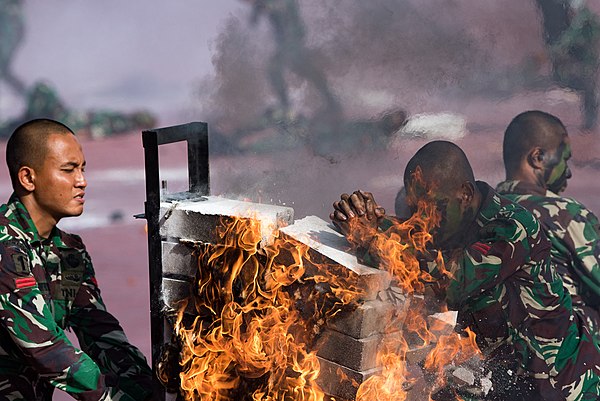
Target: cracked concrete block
196, 219
443, 323
176, 291
331, 248
177, 259
339, 381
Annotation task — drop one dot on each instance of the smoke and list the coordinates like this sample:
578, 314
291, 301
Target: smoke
422, 56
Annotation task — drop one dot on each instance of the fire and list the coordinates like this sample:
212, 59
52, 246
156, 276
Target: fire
249, 339
259, 311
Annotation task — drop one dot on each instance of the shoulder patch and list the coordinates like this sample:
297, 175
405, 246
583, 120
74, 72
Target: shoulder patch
14, 258
481, 247
21, 262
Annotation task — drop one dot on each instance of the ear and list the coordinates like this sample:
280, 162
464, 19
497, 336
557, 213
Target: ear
535, 158
467, 192
26, 176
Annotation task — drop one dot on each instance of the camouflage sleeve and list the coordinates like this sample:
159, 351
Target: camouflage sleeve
483, 266
582, 240
27, 319
101, 336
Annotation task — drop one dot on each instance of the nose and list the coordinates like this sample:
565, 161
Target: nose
80, 181
568, 173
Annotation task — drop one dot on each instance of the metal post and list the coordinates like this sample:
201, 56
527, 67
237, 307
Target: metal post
196, 136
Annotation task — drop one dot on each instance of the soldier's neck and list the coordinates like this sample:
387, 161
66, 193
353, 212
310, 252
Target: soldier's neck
42, 220
528, 177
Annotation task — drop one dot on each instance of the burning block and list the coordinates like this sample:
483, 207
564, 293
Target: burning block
356, 354
325, 242
340, 381
367, 319
196, 219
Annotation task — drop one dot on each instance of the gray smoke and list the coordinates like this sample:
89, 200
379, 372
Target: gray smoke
379, 55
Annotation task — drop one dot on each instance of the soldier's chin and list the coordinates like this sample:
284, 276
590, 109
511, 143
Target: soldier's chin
75, 212
559, 189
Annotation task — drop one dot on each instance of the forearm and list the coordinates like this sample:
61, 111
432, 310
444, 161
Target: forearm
102, 337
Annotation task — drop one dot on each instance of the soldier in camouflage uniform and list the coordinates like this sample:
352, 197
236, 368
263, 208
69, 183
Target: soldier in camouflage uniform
47, 283
502, 281
536, 153
572, 36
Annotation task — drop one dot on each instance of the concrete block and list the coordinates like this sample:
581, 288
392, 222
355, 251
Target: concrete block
196, 219
357, 354
339, 381
418, 354
175, 291
178, 259
369, 318
443, 323
330, 248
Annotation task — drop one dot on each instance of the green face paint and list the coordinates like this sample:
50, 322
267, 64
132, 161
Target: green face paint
557, 169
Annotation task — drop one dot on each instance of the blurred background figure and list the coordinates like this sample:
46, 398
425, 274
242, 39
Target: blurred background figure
12, 28
290, 54
572, 37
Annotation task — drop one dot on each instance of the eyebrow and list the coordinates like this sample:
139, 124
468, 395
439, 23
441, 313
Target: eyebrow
73, 164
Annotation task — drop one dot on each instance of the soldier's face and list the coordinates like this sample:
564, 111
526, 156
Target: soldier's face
557, 171
60, 183
448, 209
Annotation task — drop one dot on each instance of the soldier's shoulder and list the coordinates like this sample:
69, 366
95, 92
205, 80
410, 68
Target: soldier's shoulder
571, 205
11, 232
71, 240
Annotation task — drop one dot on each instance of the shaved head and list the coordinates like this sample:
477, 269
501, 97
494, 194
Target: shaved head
27, 146
441, 163
527, 131
440, 175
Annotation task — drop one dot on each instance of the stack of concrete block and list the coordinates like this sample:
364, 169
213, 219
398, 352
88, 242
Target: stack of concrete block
348, 347
185, 221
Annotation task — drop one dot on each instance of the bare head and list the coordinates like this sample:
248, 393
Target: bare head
28, 145
440, 173
46, 166
536, 149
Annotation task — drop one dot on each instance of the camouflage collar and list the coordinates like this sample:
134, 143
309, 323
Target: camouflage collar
21, 218
490, 204
520, 188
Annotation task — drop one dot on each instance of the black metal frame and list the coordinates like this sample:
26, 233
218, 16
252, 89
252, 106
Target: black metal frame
196, 135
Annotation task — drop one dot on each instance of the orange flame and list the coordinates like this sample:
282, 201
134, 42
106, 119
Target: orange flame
259, 311
249, 340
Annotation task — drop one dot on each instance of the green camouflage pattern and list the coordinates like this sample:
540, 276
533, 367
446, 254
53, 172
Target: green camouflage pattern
48, 286
574, 232
507, 291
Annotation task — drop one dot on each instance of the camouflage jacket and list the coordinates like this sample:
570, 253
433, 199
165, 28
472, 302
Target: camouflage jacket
508, 292
47, 286
574, 232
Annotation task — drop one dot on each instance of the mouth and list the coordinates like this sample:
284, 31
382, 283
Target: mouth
80, 197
